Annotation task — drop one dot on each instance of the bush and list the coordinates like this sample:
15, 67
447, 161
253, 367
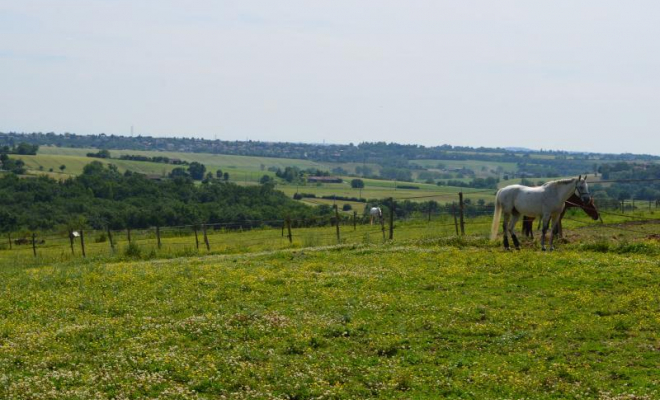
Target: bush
347, 207
133, 250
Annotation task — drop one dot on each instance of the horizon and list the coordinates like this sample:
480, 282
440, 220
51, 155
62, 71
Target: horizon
508, 148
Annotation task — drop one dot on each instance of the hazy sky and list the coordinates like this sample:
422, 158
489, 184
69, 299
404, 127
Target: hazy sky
575, 75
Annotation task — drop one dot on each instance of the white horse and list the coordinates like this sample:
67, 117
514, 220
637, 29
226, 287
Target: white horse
546, 201
377, 213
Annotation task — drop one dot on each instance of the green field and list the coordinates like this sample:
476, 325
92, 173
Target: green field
426, 316
241, 168
246, 171
481, 168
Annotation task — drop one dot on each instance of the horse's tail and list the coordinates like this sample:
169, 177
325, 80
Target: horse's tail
496, 218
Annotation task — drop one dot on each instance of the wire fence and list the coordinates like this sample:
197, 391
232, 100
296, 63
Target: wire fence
427, 220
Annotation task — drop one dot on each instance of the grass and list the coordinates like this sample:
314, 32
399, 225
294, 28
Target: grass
242, 170
427, 316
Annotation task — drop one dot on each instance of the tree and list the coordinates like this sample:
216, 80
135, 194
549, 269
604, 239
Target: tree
218, 174
196, 170
62, 167
179, 172
357, 184
265, 179
225, 176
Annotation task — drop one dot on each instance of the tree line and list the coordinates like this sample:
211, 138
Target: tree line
102, 197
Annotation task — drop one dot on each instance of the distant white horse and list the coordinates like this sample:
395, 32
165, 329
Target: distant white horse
376, 213
546, 201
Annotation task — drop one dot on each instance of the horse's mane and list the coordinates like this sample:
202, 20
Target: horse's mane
560, 182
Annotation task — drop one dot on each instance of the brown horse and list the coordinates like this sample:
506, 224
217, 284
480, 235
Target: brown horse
573, 202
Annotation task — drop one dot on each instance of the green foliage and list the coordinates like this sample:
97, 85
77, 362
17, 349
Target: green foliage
357, 184
106, 197
196, 170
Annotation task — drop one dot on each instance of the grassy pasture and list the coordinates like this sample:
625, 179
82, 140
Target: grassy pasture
474, 165
239, 165
427, 316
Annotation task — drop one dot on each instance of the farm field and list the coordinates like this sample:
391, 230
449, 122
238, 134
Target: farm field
240, 166
426, 316
243, 170
474, 165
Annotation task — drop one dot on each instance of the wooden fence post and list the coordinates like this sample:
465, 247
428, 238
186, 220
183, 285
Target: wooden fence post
206, 238
34, 243
71, 237
128, 235
283, 226
112, 244
9, 237
82, 242
453, 211
392, 209
196, 237
288, 228
355, 220
158, 236
337, 223
461, 207
382, 226
429, 211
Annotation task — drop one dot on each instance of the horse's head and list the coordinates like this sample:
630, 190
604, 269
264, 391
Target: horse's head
591, 210
582, 189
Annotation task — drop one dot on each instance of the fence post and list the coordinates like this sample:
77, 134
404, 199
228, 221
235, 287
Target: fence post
206, 238
337, 223
34, 243
429, 211
196, 237
128, 235
283, 226
9, 237
392, 208
288, 228
82, 242
453, 211
382, 226
355, 220
461, 209
158, 236
71, 242
112, 244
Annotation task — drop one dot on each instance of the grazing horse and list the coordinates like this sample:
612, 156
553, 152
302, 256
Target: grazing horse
547, 201
573, 202
377, 213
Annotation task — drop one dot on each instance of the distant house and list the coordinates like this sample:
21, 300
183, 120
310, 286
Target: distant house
324, 179
155, 177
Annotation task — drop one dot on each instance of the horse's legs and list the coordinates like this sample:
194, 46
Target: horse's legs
505, 226
512, 226
555, 222
546, 223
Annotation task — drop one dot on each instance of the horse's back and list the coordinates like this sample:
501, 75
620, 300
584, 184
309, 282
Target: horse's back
524, 199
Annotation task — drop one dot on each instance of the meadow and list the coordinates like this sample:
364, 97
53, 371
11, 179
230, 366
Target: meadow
247, 170
428, 315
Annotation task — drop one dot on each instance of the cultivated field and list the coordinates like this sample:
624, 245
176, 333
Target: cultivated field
429, 315
247, 170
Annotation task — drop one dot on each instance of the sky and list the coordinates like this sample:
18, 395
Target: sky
569, 75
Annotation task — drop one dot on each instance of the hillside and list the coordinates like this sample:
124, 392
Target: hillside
417, 319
